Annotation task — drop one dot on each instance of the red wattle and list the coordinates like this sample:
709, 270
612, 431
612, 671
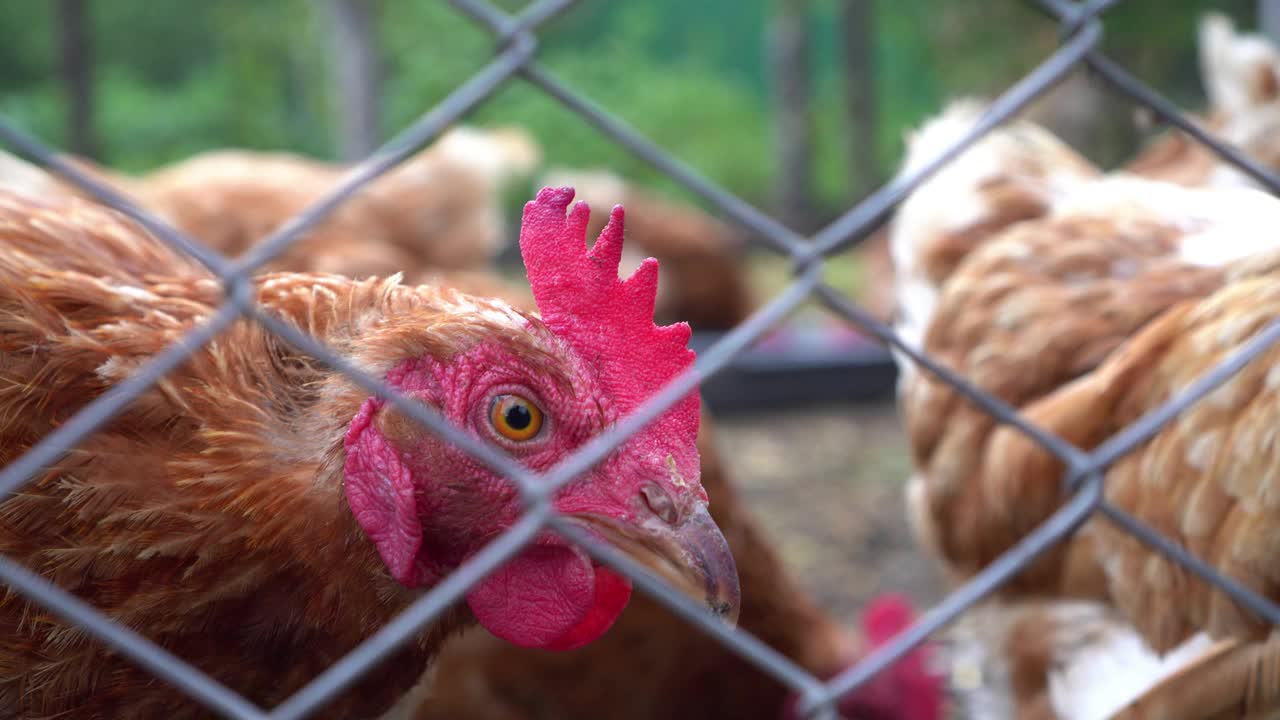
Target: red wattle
550, 597
613, 592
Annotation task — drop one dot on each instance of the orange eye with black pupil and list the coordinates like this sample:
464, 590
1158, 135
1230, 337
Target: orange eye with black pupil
515, 418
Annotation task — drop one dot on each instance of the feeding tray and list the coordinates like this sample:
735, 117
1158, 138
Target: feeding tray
799, 366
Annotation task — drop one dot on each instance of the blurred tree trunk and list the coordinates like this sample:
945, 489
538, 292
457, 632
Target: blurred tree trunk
358, 75
789, 50
76, 66
857, 20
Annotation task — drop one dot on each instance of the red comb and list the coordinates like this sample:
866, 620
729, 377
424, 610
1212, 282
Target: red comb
607, 320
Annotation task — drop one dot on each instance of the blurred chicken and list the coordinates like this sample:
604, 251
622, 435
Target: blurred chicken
1241, 77
705, 280
440, 210
1203, 482
1008, 176
259, 514
1025, 282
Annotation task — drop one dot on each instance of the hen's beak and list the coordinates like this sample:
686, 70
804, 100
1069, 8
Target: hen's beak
692, 556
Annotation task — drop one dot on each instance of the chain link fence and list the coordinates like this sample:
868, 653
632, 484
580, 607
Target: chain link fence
515, 56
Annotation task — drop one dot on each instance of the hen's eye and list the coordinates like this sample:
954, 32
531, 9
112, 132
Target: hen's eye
515, 417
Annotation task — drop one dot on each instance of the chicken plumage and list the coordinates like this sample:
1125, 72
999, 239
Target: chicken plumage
1006, 177
439, 210
1203, 482
1125, 249
1032, 310
259, 514
1241, 76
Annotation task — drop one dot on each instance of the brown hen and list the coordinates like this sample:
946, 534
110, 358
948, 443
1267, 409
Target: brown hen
1031, 305
1241, 76
259, 514
439, 210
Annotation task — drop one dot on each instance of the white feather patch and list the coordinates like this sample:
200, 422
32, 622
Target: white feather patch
1099, 679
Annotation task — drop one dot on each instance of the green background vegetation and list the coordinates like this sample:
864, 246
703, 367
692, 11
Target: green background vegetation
174, 78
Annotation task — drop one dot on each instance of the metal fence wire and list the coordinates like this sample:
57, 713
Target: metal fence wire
515, 55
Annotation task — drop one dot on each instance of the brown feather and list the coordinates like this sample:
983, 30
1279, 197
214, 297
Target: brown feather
209, 515
1001, 314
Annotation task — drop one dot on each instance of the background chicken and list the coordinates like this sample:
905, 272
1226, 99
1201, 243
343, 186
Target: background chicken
1126, 249
441, 209
1241, 77
1008, 176
1202, 482
232, 512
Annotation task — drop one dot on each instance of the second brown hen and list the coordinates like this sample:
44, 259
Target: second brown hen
1027, 310
439, 210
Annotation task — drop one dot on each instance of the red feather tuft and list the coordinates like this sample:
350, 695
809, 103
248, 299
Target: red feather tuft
608, 321
885, 617
907, 690
918, 693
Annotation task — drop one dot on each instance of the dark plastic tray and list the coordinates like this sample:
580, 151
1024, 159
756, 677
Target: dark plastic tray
782, 376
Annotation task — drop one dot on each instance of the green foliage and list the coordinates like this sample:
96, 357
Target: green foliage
176, 78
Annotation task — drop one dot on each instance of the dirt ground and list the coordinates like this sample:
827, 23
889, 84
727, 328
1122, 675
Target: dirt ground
828, 485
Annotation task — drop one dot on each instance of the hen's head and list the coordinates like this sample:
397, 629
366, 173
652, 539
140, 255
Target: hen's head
540, 387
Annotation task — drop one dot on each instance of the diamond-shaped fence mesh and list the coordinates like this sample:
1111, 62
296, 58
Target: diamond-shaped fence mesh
516, 57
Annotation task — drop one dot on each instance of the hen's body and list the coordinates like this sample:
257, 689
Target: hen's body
1122, 261
1042, 295
1204, 482
209, 516
259, 514
437, 211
